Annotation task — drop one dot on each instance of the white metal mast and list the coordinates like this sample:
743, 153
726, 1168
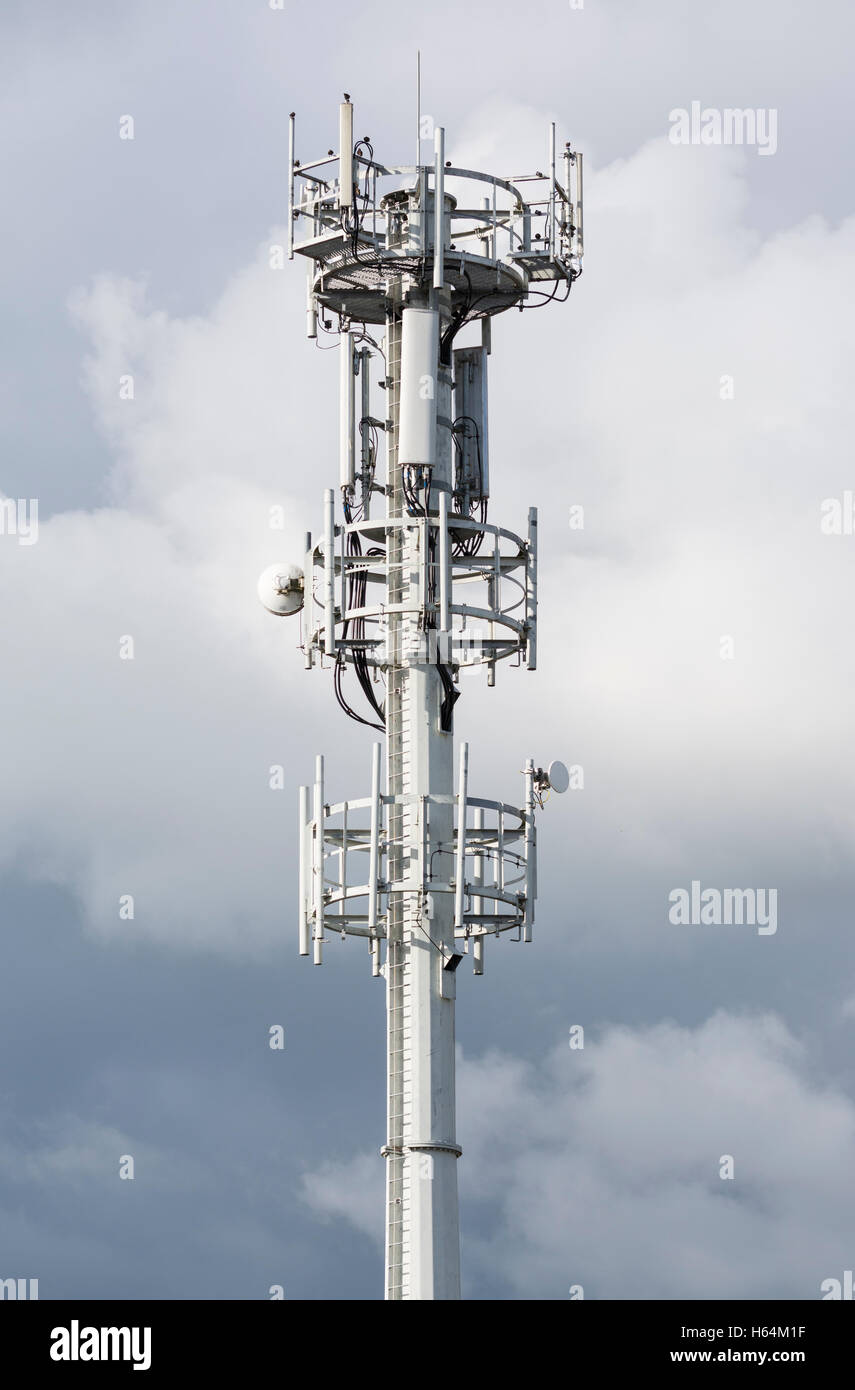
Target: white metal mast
402, 600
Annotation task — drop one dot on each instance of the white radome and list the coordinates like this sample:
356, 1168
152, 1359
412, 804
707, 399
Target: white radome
559, 777
280, 589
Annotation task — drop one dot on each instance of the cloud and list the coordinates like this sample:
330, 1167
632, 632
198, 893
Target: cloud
149, 777
601, 1167
352, 1190
202, 1214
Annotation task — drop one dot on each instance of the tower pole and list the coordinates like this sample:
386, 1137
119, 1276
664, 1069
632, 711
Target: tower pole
422, 1240
405, 599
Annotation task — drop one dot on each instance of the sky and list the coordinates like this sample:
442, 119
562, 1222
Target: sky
693, 397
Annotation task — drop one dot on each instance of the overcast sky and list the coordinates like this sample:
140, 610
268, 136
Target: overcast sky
703, 505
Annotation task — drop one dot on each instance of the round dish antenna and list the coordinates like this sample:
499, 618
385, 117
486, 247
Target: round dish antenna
557, 776
280, 589
554, 778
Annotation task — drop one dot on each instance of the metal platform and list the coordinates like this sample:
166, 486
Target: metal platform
357, 286
492, 250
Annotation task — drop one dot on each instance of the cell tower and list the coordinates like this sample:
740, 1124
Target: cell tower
411, 585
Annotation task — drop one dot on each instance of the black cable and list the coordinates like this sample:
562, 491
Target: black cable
461, 317
415, 507
548, 298
357, 585
450, 692
458, 319
351, 222
470, 545
452, 695
330, 333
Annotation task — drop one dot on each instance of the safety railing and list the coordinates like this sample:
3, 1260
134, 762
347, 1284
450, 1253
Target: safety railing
474, 601
488, 866
356, 208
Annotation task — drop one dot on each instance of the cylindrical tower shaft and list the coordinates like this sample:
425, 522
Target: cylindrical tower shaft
422, 1238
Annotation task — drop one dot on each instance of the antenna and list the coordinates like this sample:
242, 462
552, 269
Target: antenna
408, 583
418, 106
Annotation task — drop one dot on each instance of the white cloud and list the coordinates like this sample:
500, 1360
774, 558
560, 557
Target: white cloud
149, 777
601, 1167
352, 1189
66, 1153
